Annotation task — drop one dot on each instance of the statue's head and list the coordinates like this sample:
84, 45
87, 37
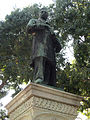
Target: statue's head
43, 14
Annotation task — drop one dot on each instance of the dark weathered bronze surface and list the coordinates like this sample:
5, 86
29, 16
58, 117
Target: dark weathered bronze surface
44, 46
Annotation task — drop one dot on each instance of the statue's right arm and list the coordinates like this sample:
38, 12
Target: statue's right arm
35, 25
31, 26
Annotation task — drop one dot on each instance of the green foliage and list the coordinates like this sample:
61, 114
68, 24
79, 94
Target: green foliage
3, 114
72, 20
15, 47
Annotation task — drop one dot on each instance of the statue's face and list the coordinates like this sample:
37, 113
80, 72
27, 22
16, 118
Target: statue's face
43, 14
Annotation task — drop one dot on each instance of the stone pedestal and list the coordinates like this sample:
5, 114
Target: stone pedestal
37, 102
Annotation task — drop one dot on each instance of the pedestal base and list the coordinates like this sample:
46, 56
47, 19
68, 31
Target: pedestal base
37, 102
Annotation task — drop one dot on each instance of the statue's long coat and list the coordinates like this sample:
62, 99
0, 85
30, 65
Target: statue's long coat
44, 42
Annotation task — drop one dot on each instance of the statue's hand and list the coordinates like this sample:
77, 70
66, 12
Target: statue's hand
31, 26
32, 22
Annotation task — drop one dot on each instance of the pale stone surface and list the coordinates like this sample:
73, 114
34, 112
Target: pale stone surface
37, 102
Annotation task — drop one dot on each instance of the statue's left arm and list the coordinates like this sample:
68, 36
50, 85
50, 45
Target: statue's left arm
57, 45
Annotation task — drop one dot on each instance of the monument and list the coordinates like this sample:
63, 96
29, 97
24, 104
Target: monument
37, 101
45, 45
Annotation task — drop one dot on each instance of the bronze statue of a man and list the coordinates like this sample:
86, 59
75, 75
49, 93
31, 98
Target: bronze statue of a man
44, 46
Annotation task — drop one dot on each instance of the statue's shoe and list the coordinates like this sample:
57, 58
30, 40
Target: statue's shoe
39, 81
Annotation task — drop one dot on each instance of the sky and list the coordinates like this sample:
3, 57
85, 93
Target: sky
6, 6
